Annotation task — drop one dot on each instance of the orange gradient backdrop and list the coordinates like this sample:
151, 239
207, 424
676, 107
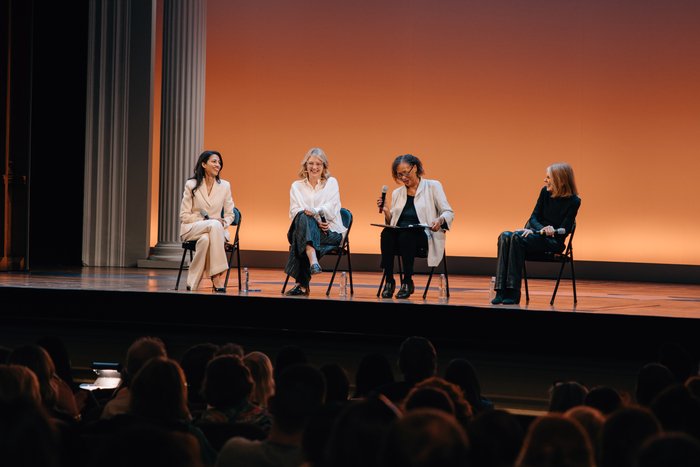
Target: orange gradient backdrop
486, 93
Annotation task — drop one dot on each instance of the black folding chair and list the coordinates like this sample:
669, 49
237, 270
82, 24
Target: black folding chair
551, 257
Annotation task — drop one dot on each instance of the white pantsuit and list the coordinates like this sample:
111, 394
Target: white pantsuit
210, 257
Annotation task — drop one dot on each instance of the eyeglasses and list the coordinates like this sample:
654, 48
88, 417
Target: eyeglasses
405, 174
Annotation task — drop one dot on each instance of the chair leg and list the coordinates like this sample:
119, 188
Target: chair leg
527, 292
238, 264
352, 291
335, 270
430, 277
285, 284
182, 263
573, 278
561, 270
447, 277
381, 284
228, 271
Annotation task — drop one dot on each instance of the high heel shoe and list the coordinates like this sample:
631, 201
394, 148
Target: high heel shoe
389, 287
407, 289
512, 297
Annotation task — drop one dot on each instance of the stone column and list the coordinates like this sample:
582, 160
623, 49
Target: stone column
182, 118
119, 124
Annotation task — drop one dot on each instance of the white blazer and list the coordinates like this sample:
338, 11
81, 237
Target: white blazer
190, 210
430, 202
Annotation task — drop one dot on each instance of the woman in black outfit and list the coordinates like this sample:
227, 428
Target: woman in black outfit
556, 209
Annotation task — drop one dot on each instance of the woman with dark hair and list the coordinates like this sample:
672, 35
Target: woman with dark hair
421, 203
227, 389
205, 197
312, 199
554, 212
462, 373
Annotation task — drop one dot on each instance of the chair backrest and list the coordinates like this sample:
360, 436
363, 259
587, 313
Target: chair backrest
346, 216
236, 216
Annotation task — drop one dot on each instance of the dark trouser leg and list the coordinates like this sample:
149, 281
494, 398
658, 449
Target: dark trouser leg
519, 246
304, 231
405, 242
502, 261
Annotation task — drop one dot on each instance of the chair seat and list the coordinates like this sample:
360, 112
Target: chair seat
546, 256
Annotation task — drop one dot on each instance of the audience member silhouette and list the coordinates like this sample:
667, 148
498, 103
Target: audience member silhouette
261, 371
603, 398
194, 364
425, 438
231, 349
592, 421
555, 441
669, 449
27, 436
373, 372
678, 361
463, 411
496, 438
623, 433
139, 353
460, 372
337, 383
227, 389
318, 431
417, 362
564, 396
300, 390
429, 398
19, 381
677, 409
287, 356
651, 380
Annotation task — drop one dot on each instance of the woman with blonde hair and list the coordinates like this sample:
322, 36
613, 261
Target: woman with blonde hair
261, 371
313, 198
551, 221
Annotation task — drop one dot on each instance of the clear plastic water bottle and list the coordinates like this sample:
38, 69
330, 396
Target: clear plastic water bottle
343, 285
492, 289
247, 280
443, 287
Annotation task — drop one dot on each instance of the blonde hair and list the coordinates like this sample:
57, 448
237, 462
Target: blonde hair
260, 368
315, 152
563, 181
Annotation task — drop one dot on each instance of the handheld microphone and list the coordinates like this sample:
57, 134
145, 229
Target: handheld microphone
556, 232
384, 190
204, 214
323, 218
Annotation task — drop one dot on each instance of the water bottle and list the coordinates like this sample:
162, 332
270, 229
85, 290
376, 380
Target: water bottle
443, 287
492, 289
343, 285
247, 279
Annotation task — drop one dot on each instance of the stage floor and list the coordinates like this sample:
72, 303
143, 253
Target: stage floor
597, 297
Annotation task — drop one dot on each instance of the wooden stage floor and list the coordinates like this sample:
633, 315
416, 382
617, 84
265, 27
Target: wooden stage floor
596, 297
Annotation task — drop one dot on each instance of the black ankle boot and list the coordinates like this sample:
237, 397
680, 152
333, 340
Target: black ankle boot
512, 297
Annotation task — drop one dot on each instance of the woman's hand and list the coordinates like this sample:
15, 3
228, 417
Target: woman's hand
435, 225
309, 211
525, 232
549, 231
385, 209
223, 221
324, 226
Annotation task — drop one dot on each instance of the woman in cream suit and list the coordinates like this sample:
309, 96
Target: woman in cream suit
418, 201
206, 194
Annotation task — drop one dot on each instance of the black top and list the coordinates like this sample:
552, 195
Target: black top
408, 215
560, 213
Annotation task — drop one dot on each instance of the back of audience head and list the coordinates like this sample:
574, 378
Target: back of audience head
463, 411
623, 433
287, 356
357, 434
231, 349
555, 441
318, 430
592, 421
140, 352
337, 383
299, 390
603, 398
27, 436
59, 356
651, 380
159, 391
38, 361
425, 438
429, 398
194, 364
19, 381
374, 371
671, 449
227, 382
564, 396
417, 359
460, 372
677, 409
261, 371
496, 438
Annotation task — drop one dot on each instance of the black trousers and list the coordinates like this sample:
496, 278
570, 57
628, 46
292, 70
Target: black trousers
404, 242
304, 231
512, 248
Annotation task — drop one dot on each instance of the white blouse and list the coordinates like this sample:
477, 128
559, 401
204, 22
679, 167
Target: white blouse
323, 196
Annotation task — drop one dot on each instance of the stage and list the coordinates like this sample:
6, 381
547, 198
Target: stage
518, 350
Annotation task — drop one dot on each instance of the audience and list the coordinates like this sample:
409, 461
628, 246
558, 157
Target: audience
420, 421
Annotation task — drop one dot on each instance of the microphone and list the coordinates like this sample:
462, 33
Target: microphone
384, 190
556, 232
204, 214
323, 218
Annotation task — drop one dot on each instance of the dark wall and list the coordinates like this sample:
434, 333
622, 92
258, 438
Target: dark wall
58, 132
